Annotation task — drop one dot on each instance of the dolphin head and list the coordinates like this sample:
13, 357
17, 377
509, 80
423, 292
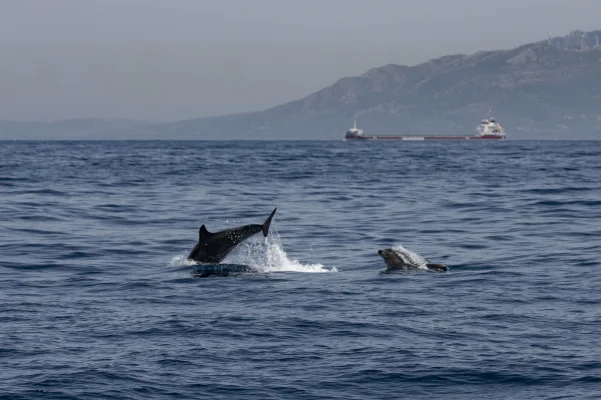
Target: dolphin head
383, 252
391, 258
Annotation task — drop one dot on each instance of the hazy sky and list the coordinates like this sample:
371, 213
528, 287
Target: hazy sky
173, 59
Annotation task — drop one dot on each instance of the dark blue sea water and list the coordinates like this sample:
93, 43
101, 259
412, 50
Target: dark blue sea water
98, 302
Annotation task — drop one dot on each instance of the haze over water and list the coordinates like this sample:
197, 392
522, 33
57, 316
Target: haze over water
151, 61
96, 300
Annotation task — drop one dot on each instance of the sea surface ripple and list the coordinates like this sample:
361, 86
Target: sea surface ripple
98, 302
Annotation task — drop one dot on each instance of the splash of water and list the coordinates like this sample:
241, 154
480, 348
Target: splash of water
181, 260
261, 254
268, 255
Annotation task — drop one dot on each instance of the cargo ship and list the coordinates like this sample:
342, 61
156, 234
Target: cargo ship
487, 129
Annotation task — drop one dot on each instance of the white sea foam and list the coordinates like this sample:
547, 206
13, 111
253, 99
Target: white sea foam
181, 260
268, 255
261, 254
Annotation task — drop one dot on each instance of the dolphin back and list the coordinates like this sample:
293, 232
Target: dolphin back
267, 223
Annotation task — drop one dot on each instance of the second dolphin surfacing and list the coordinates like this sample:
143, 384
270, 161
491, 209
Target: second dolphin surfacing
396, 260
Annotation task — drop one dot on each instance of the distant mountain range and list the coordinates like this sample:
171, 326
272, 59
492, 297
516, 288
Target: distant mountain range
547, 89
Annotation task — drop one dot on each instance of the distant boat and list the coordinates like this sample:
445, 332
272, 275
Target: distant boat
487, 129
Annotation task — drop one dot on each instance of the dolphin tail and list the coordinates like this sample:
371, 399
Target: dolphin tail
437, 267
267, 223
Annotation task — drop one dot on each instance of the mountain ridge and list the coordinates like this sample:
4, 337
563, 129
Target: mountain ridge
545, 89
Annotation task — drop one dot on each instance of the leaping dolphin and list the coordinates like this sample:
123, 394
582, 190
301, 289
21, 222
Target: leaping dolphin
396, 260
213, 247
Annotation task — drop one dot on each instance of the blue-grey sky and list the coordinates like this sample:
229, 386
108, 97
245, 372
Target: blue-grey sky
163, 60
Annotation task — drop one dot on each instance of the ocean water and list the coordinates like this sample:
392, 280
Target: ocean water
97, 300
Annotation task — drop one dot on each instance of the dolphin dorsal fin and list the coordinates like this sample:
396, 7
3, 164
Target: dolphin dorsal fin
203, 233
